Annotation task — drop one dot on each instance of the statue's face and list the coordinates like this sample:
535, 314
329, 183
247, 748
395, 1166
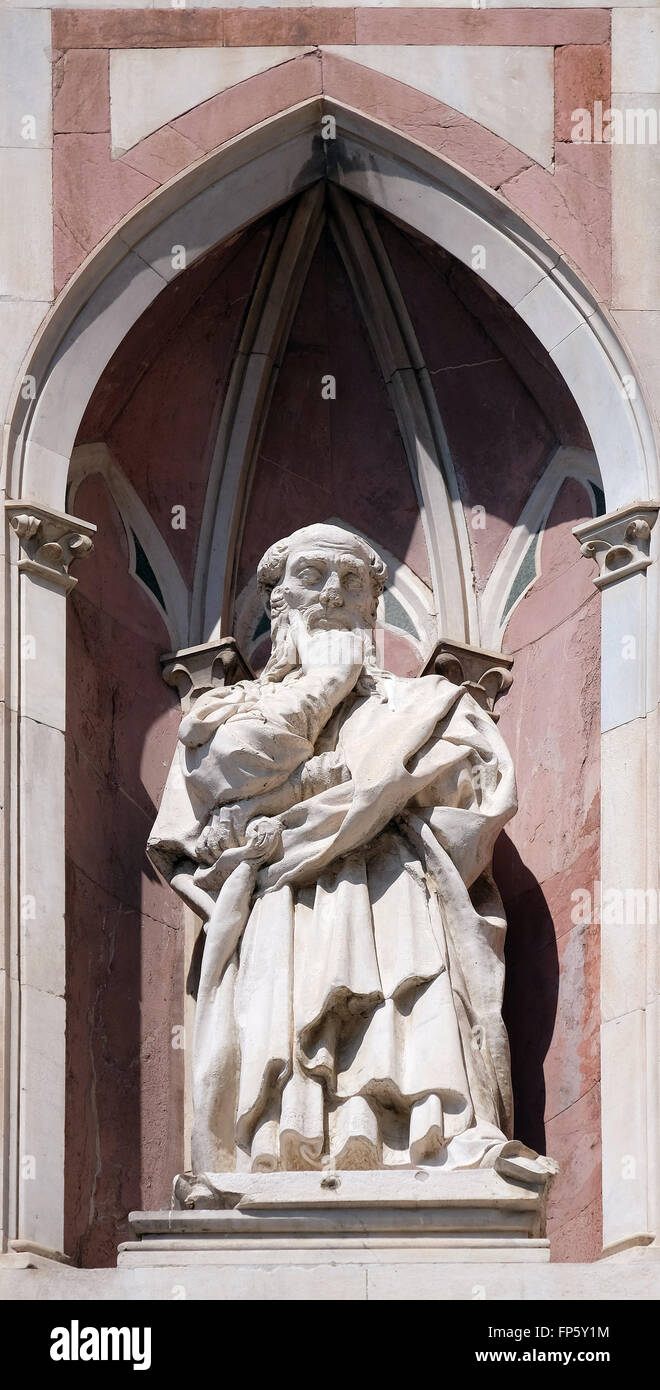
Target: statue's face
329, 585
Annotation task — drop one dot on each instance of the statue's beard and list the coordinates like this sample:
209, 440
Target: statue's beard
284, 657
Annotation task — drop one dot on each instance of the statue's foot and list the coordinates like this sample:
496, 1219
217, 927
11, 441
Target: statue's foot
523, 1165
192, 1192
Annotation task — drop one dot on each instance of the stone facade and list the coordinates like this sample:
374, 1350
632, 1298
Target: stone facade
270, 267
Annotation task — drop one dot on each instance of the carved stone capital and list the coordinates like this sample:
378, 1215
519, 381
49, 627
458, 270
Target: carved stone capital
619, 542
484, 674
50, 541
196, 669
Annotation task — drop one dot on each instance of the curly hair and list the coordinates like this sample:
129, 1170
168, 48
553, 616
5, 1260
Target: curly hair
272, 565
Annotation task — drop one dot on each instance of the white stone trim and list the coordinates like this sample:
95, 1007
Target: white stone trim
619, 542
88, 459
566, 462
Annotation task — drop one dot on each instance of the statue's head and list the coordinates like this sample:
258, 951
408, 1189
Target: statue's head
331, 577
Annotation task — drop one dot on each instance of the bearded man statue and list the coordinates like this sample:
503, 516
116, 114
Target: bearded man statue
333, 825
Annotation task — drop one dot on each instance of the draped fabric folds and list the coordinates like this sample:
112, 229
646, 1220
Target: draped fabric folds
349, 1009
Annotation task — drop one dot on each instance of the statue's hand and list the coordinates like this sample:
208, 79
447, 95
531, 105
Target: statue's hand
263, 842
264, 839
228, 829
225, 830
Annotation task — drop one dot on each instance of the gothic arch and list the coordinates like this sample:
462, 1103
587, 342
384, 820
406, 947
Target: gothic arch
211, 201
263, 168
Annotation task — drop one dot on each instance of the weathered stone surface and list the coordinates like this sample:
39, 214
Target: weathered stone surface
631, 1275
433, 122
573, 208
506, 89
243, 106
93, 193
124, 943
162, 155
81, 93
387, 1093
139, 28
468, 26
582, 77
277, 26
550, 852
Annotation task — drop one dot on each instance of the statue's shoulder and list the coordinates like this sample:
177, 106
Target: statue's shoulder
420, 691
430, 685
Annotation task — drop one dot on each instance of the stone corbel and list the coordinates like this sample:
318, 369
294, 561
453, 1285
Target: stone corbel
50, 541
484, 674
619, 542
194, 670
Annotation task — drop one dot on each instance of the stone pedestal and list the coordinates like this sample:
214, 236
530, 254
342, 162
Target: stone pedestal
321, 1218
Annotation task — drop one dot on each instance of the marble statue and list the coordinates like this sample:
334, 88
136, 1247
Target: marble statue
333, 825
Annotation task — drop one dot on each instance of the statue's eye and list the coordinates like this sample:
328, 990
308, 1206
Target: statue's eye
309, 575
352, 582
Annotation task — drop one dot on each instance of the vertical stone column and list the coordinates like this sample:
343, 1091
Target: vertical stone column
636, 310
26, 231
621, 544
43, 544
26, 291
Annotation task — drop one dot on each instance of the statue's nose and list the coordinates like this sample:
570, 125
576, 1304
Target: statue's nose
331, 595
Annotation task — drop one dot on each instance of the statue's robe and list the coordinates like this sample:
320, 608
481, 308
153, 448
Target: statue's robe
349, 1008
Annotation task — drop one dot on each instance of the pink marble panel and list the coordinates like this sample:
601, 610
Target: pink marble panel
251, 101
551, 721
289, 26
124, 937
138, 28
476, 26
91, 194
573, 207
575, 1213
162, 155
81, 92
582, 77
527, 357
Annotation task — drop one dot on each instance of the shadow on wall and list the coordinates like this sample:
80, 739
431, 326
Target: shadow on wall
531, 990
124, 1094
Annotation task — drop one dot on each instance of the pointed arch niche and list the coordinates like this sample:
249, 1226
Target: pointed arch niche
478, 415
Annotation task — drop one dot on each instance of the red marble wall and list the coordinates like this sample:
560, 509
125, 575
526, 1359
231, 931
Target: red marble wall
158, 400
124, 933
550, 719
341, 457
503, 403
